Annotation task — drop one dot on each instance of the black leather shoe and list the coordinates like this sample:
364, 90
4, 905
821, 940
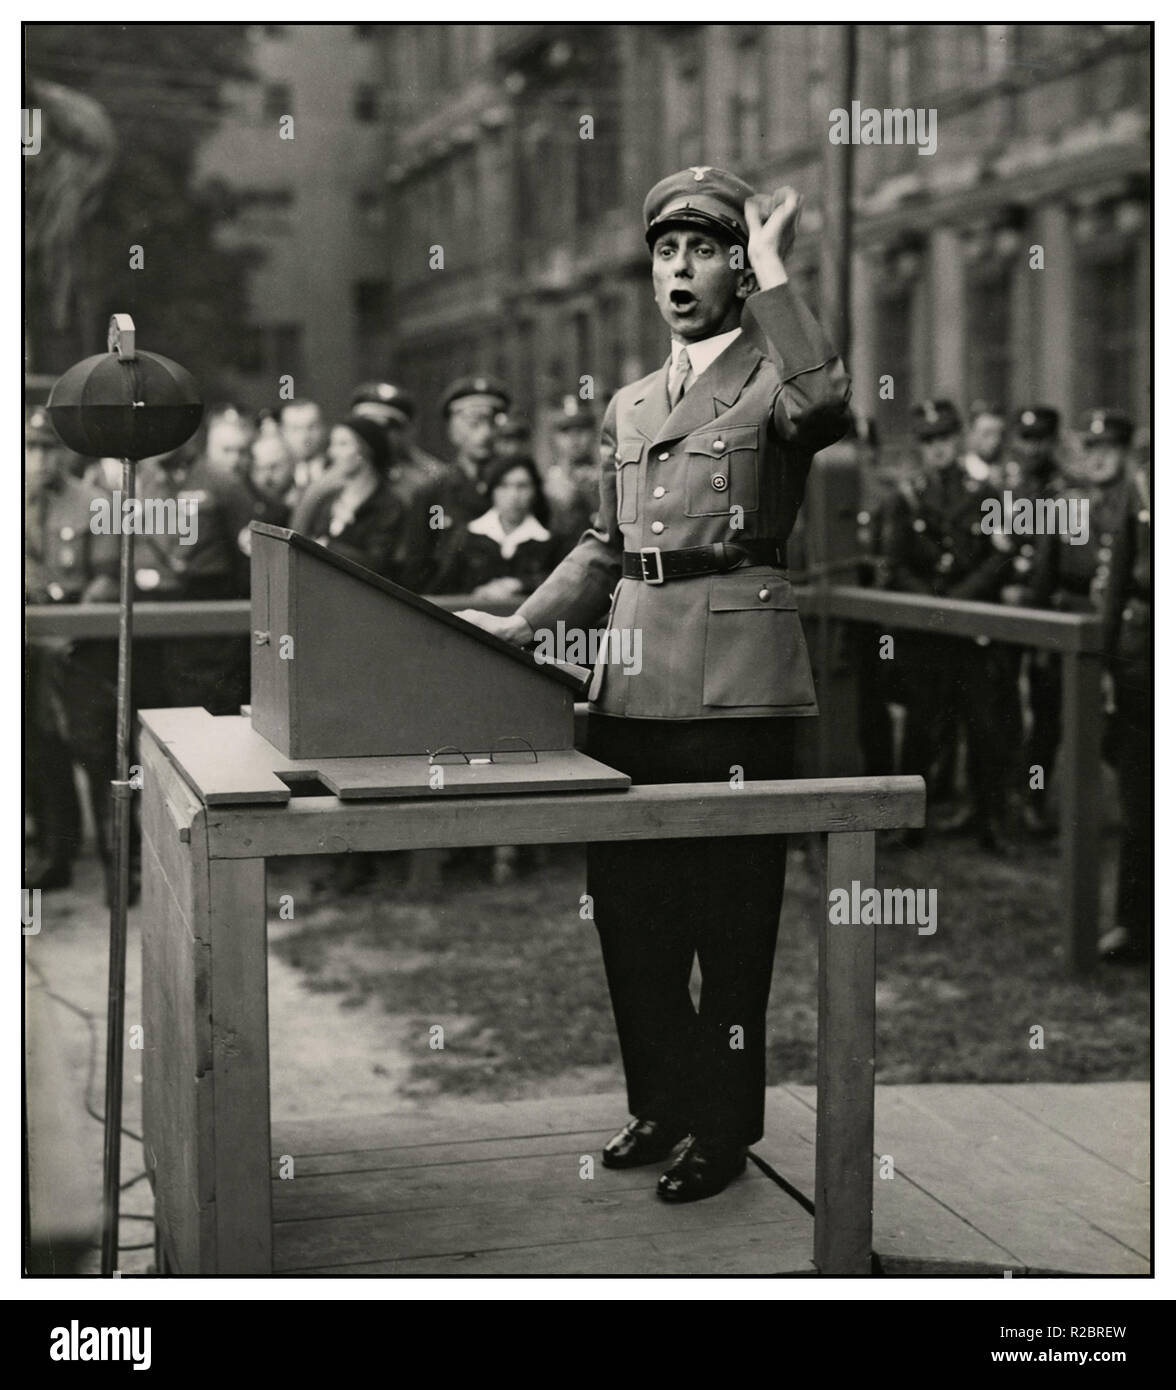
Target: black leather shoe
701, 1170
642, 1141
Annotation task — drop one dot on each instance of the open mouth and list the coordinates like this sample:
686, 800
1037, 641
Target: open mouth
683, 300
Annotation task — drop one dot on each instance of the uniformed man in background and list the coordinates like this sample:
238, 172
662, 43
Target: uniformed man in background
707, 460
470, 407
934, 544
1071, 577
1127, 606
70, 690
205, 563
1032, 472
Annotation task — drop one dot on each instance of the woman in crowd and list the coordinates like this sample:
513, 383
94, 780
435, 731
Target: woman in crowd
362, 519
508, 551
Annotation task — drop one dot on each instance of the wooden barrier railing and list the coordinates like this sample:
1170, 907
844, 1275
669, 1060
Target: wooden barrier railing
1075, 638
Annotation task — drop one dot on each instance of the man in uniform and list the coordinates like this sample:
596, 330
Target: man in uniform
416, 477
707, 462
470, 406
934, 544
572, 481
985, 442
1031, 473
71, 690
1128, 648
205, 563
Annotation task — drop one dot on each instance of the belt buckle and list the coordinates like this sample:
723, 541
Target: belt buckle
655, 551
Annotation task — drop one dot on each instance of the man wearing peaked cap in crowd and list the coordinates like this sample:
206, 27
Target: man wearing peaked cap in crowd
470, 407
1031, 472
705, 471
934, 544
70, 683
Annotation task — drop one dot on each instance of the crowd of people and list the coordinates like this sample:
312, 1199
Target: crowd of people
486, 523
985, 715
490, 524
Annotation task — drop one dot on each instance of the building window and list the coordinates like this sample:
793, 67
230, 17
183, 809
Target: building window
277, 100
366, 104
988, 317
272, 350
1107, 328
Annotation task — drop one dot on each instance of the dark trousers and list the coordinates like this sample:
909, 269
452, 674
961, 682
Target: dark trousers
658, 903
1045, 704
945, 679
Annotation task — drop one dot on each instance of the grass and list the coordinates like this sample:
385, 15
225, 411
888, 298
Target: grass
514, 975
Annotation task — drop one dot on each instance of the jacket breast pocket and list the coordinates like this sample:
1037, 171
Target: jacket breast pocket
722, 470
628, 464
755, 647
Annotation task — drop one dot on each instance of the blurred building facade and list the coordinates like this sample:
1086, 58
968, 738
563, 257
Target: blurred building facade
314, 205
520, 155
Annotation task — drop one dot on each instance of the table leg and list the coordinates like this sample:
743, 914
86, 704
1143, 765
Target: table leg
240, 1065
845, 1071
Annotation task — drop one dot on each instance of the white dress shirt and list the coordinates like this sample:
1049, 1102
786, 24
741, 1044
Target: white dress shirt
702, 353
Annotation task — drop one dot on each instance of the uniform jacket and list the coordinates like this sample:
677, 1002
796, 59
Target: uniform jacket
730, 461
933, 542
209, 566
1072, 578
63, 555
1127, 617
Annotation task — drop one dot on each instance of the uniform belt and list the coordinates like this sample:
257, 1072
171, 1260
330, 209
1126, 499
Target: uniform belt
655, 565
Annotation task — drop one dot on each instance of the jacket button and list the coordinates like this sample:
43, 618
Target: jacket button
765, 594
67, 533
659, 492
657, 528
719, 445
617, 457
661, 458
719, 482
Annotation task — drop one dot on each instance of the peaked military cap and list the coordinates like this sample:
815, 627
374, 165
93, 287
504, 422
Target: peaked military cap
935, 419
1107, 426
1038, 422
384, 393
701, 196
465, 386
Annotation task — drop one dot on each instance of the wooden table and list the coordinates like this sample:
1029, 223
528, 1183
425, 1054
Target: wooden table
206, 1115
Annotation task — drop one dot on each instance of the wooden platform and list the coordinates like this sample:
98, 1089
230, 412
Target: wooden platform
1028, 1179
